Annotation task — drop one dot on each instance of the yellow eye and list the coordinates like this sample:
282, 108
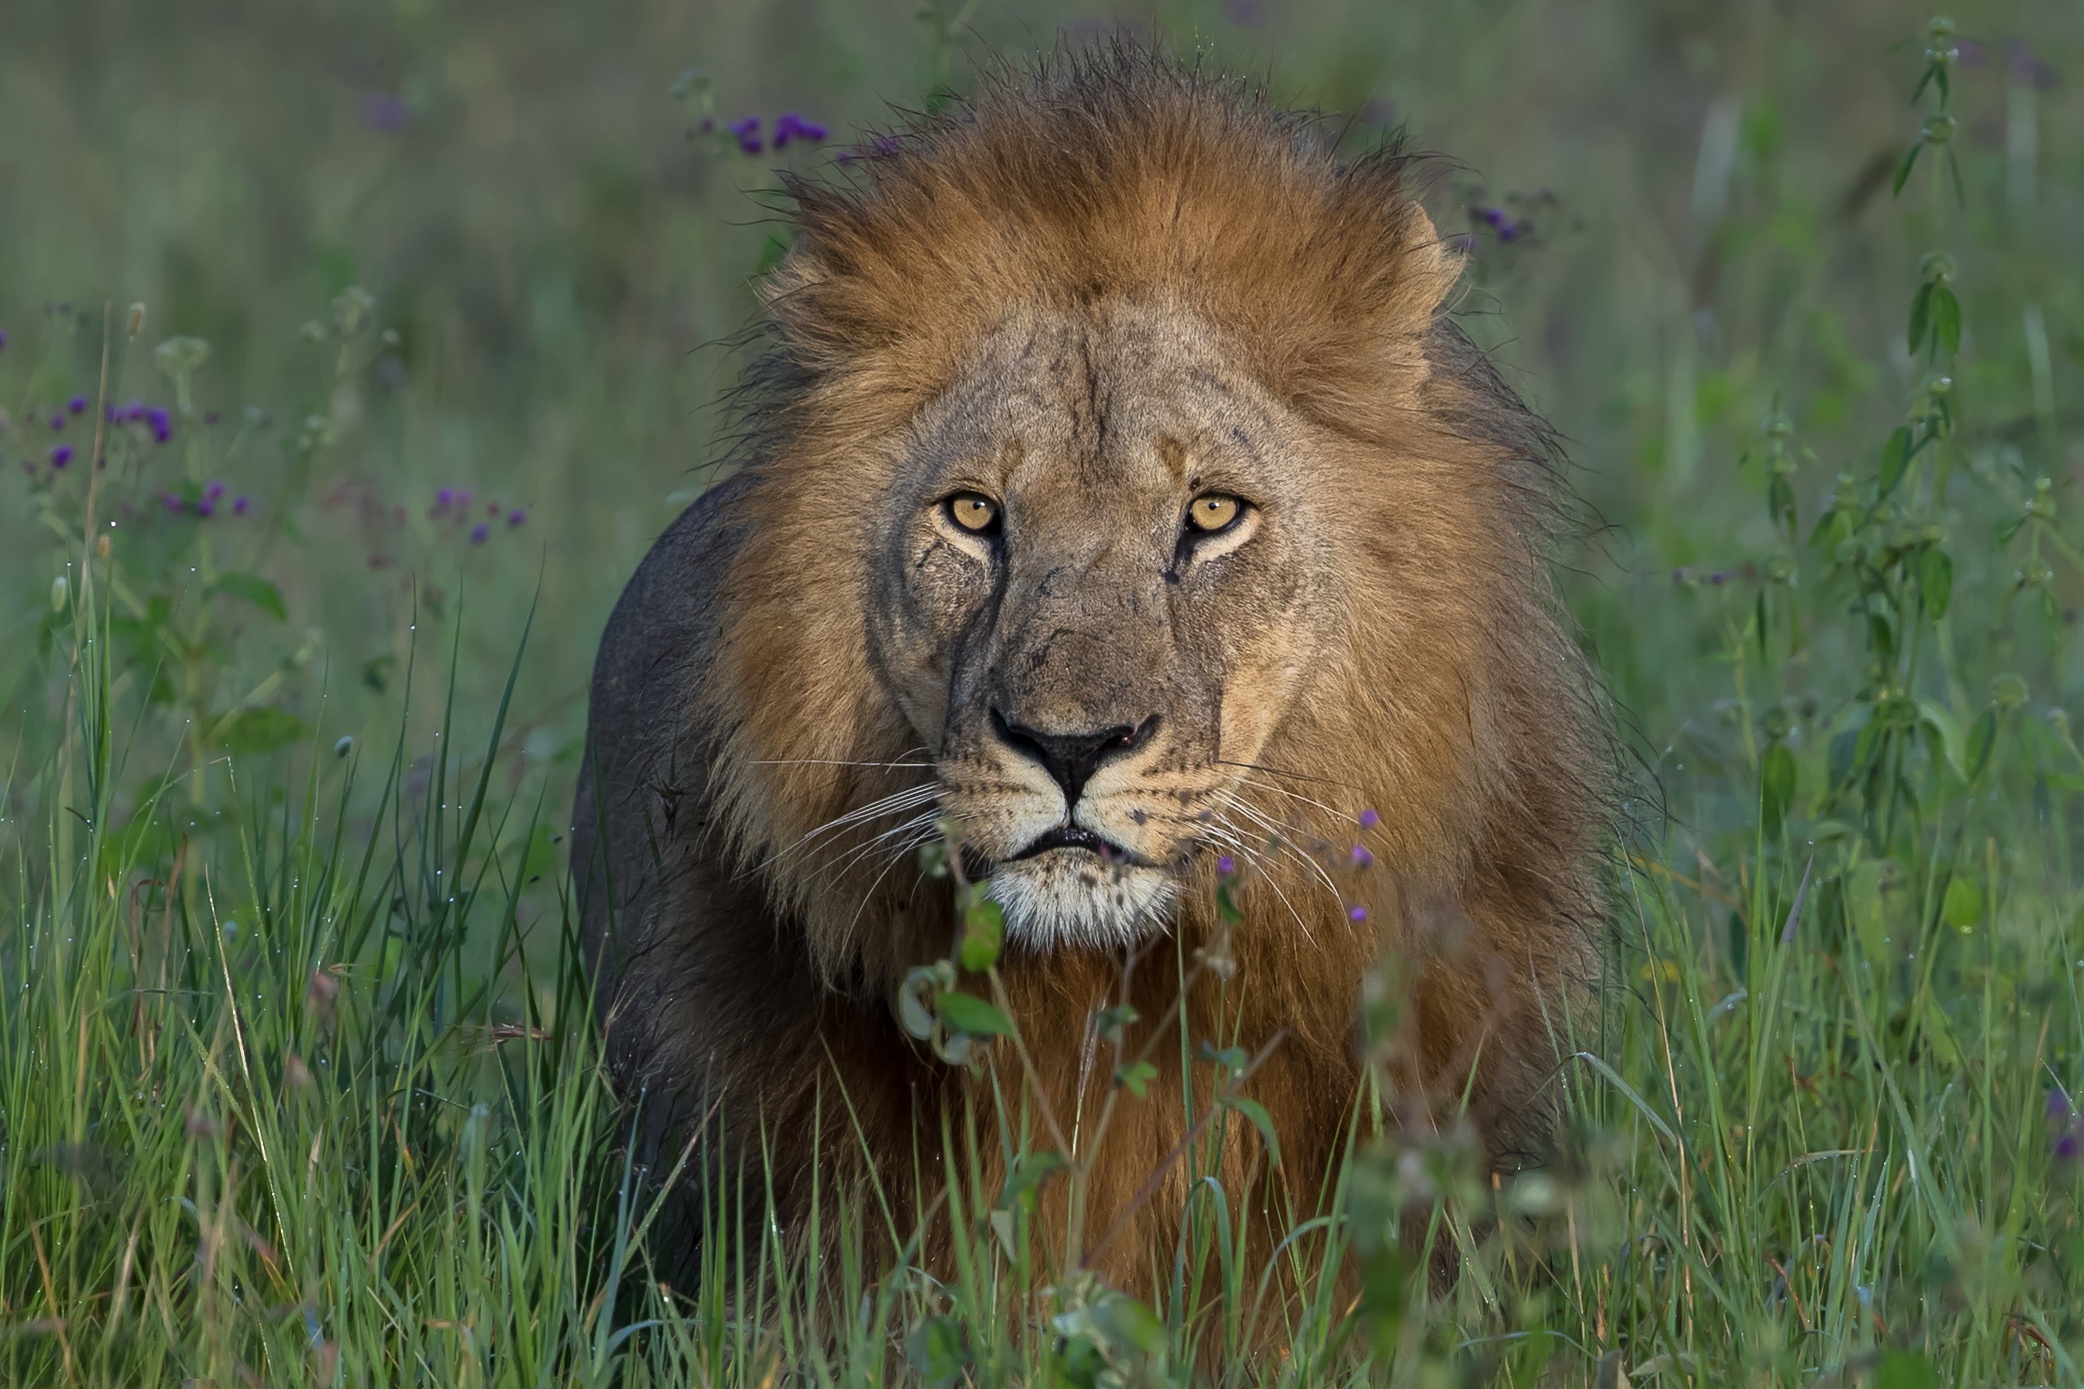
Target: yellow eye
1213, 511
974, 512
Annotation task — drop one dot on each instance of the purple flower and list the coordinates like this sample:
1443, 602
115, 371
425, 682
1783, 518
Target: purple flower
238, 506
791, 126
1512, 231
1369, 819
213, 491
57, 422
479, 532
175, 504
1493, 215
516, 516
385, 112
78, 405
2023, 66
444, 497
1718, 578
161, 422
1226, 865
748, 133
1356, 914
1361, 857
205, 507
2066, 1146
3, 339
61, 455
2058, 1105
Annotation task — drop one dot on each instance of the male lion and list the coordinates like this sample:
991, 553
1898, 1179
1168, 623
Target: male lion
1118, 490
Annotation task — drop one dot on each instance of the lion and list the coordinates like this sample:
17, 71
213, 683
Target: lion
1118, 495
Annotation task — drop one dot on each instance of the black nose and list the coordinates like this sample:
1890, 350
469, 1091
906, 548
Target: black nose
1072, 758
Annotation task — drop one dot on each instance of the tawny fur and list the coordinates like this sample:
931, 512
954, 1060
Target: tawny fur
746, 980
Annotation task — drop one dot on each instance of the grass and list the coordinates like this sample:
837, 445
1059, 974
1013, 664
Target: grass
298, 1082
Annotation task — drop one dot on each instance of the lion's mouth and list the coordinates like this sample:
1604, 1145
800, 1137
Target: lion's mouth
1076, 837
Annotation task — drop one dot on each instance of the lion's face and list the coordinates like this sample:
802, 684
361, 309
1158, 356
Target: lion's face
1099, 589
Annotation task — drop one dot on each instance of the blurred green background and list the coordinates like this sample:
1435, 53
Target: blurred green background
558, 252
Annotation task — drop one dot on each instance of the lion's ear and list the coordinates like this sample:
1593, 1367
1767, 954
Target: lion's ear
1358, 341
1430, 270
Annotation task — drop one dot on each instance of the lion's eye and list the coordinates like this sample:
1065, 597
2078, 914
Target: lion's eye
1214, 511
974, 512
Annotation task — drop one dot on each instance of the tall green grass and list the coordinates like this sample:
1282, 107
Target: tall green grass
298, 1078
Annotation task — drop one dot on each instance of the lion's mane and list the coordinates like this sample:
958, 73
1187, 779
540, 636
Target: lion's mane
1459, 707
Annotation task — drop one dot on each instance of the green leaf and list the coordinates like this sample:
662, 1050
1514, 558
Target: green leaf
1261, 1120
1776, 787
1780, 502
1920, 317
260, 730
1910, 161
1114, 1021
1953, 740
1130, 1324
1895, 458
912, 1012
1936, 581
1982, 736
1946, 319
970, 1014
938, 1351
1963, 905
252, 588
1028, 1175
983, 934
1905, 1369
1136, 1077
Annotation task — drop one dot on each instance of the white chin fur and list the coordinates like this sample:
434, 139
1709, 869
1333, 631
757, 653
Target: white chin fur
1066, 898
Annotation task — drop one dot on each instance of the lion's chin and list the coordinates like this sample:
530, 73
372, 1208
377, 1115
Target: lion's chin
1070, 898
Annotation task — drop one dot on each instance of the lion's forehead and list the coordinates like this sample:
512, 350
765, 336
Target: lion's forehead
1132, 396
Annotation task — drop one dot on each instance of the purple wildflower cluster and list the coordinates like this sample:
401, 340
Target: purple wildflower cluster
384, 112
454, 504
156, 418
789, 125
206, 504
61, 454
2069, 1142
1503, 224
2021, 63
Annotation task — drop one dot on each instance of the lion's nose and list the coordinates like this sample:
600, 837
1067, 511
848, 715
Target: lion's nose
1072, 758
